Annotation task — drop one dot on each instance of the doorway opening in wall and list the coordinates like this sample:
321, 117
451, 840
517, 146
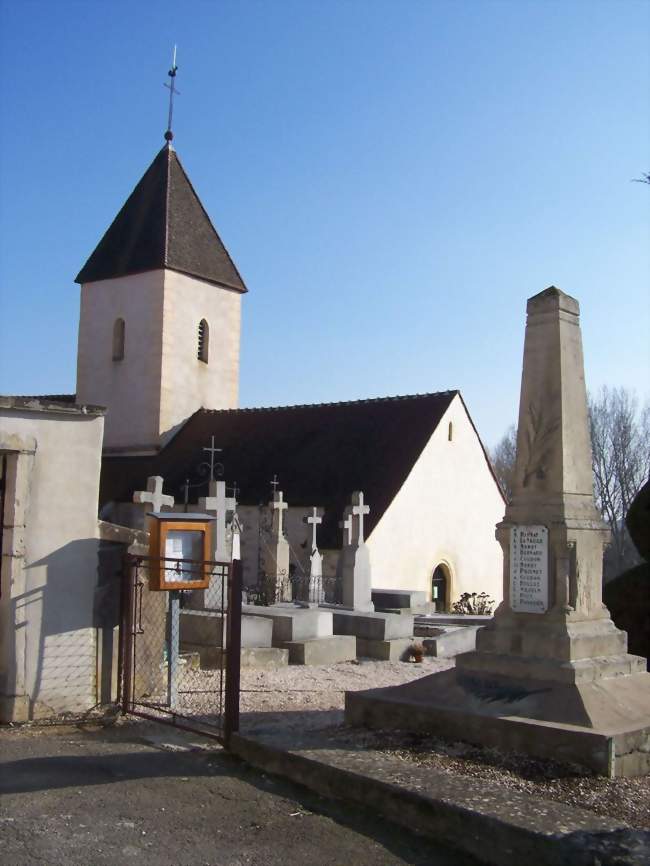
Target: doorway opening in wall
440, 586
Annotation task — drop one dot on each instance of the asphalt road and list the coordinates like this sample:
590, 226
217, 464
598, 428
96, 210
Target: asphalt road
137, 792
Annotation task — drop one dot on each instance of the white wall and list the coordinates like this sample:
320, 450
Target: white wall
445, 512
130, 389
188, 384
160, 381
49, 569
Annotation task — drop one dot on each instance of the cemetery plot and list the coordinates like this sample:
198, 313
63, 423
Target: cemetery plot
177, 666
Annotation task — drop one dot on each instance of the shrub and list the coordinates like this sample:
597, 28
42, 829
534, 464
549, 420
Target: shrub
478, 604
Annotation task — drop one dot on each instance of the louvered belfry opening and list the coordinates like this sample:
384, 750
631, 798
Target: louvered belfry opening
203, 341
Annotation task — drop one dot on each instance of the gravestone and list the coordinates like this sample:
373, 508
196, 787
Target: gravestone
315, 593
152, 499
354, 562
217, 503
275, 553
551, 675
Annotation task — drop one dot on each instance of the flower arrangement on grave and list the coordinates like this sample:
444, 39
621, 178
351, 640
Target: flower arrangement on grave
472, 603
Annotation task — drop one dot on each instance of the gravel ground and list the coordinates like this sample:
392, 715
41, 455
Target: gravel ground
311, 698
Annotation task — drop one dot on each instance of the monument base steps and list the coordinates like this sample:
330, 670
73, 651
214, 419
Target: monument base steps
603, 725
394, 650
322, 651
545, 671
261, 658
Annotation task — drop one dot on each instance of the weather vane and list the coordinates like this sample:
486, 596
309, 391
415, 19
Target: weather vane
172, 90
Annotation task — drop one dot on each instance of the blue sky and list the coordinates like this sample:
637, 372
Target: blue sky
393, 180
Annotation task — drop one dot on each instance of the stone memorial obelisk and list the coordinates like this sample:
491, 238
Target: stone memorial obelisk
551, 675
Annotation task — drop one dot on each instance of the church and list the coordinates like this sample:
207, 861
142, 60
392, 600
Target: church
157, 383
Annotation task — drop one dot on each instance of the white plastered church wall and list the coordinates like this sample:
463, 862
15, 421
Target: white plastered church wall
444, 513
49, 570
130, 388
186, 383
160, 381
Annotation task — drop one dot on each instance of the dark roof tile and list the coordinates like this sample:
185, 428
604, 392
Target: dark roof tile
321, 453
162, 225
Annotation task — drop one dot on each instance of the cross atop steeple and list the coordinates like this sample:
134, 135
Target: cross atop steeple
172, 90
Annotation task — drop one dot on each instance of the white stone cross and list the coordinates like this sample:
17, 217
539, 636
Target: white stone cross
358, 510
216, 500
347, 524
219, 504
278, 504
153, 495
236, 528
314, 520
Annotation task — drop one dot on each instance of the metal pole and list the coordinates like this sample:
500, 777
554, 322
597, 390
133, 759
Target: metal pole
173, 648
233, 651
127, 639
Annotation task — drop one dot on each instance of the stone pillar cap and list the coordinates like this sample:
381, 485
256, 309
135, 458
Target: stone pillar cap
552, 299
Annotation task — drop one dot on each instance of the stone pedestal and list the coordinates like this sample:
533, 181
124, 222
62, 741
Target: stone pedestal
355, 577
551, 675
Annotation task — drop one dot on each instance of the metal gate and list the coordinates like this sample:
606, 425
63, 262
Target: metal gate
180, 649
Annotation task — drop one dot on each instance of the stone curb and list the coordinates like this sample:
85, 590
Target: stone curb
493, 824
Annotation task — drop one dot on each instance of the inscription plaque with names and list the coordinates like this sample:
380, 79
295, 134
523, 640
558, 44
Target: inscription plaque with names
529, 569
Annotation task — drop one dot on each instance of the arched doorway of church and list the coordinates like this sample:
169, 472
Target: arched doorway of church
440, 587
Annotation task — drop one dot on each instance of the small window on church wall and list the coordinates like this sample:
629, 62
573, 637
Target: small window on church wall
450, 434
118, 340
204, 341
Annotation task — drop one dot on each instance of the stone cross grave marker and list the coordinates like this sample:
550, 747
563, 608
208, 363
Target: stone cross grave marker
153, 495
346, 526
276, 554
278, 505
315, 592
314, 520
236, 529
354, 560
359, 510
219, 504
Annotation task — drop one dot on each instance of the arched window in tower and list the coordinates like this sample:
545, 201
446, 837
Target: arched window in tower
119, 330
204, 341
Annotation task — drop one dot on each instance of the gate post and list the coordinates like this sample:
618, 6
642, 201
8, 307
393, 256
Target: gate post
233, 650
125, 659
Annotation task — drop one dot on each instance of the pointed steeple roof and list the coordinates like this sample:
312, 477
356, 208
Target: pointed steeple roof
163, 225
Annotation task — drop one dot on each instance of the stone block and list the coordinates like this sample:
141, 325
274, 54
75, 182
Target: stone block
372, 626
292, 623
451, 641
322, 651
398, 598
395, 650
208, 628
261, 658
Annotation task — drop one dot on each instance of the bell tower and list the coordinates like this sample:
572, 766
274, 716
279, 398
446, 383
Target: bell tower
159, 327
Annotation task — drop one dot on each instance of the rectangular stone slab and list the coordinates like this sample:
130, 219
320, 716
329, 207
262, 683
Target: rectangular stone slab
202, 628
322, 651
399, 598
451, 641
373, 626
395, 650
293, 623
